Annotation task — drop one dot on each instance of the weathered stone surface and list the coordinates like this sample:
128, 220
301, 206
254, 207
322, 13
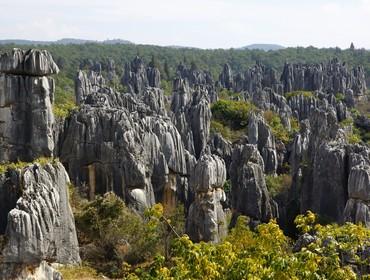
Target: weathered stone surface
191, 115
30, 63
206, 219
357, 211
26, 117
41, 226
333, 77
42, 271
137, 76
116, 142
249, 193
260, 134
359, 182
226, 79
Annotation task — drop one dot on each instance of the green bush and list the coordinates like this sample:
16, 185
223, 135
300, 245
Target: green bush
226, 132
278, 184
339, 97
277, 127
306, 94
114, 237
21, 164
266, 253
232, 113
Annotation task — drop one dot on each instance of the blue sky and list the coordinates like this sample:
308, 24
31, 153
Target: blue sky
197, 23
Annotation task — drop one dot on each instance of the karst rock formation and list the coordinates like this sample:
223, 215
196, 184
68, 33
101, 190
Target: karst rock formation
148, 147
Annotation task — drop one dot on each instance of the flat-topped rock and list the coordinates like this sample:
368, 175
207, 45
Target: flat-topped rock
32, 63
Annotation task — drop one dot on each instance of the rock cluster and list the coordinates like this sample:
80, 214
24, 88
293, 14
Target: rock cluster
330, 174
124, 142
334, 77
35, 216
137, 77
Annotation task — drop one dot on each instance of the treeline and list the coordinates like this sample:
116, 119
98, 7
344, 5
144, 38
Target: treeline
69, 57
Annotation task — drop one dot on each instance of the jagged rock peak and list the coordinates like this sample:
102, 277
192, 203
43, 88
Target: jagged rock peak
226, 77
137, 76
32, 63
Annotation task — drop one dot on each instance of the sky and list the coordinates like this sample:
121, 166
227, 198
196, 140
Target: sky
195, 23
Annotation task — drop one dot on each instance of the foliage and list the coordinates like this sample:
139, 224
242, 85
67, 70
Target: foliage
79, 272
306, 94
114, 237
21, 164
227, 94
278, 184
339, 97
295, 126
277, 127
263, 254
226, 132
64, 100
233, 114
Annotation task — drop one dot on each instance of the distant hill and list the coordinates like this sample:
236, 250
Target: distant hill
264, 47
64, 41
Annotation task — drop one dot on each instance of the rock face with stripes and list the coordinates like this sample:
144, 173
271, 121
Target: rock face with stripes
206, 219
26, 98
39, 225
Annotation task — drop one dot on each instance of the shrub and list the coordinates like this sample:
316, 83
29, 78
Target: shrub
227, 94
306, 94
79, 272
278, 129
339, 97
278, 184
234, 114
21, 164
226, 132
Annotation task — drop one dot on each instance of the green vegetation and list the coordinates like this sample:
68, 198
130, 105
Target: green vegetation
266, 254
21, 164
278, 184
355, 134
230, 118
278, 129
226, 132
233, 114
114, 237
82, 272
227, 94
306, 94
339, 97
120, 244
64, 101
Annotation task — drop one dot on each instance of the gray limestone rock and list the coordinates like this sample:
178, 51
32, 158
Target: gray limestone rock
260, 134
16, 271
250, 196
41, 225
26, 117
206, 219
30, 63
